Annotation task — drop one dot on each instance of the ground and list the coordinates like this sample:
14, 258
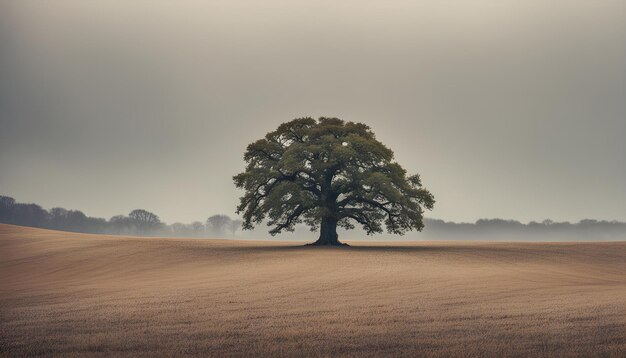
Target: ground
83, 294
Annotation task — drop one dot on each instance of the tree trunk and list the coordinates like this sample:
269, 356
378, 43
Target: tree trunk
328, 233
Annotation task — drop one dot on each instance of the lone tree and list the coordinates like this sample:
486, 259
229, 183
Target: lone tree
328, 173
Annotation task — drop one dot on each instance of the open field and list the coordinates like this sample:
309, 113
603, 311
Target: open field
82, 294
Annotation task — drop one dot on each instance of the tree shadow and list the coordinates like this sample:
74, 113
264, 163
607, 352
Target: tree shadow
352, 247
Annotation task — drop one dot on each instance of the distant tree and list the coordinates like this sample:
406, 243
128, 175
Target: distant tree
58, 218
77, 221
94, 225
6, 208
6, 201
217, 224
180, 229
198, 228
58, 214
119, 219
145, 220
328, 173
29, 215
120, 224
234, 225
195, 229
144, 216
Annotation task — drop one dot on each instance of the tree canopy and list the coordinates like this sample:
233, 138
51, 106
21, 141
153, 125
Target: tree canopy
327, 173
145, 220
217, 224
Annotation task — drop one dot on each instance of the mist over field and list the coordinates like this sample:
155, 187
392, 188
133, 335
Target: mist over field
145, 223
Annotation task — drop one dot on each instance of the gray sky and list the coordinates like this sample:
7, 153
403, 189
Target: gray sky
512, 109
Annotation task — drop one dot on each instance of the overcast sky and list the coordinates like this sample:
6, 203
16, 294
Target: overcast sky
511, 109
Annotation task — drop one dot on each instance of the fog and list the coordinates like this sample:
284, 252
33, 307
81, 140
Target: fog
507, 109
141, 222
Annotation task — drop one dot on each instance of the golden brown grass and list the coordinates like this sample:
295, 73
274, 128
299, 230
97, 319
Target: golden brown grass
81, 294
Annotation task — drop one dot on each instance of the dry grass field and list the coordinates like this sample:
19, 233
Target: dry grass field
80, 294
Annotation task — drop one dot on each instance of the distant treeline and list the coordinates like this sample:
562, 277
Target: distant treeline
547, 230
143, 222
137, 222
